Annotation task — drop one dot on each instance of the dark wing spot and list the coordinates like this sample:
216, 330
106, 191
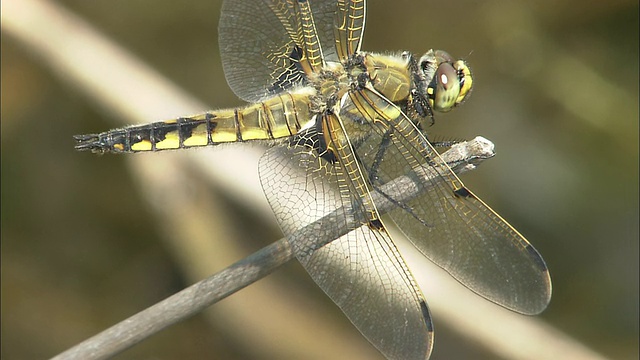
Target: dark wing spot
375, 224
462, 192
293, 74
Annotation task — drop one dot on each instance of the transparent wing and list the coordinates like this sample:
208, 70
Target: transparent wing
447, 223
324, 14
361, 271
349, 27
340, 25
268, 46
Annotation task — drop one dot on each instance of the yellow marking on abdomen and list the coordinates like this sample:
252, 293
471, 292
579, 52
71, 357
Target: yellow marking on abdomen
277, 117
171, 141
199, 136
143, 145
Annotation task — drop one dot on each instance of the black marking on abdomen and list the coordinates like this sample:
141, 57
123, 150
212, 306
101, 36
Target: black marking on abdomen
237, 121
159, 133
267, 115
137, 135
185, 129
211, 127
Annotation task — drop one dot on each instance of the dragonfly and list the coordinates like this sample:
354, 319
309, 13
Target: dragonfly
341, 124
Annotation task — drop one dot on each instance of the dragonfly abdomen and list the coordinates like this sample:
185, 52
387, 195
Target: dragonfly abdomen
274, 118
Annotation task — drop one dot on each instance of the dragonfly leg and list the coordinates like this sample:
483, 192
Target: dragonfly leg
374, 178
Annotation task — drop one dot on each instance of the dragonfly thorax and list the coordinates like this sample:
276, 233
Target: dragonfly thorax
434, 82
330, 84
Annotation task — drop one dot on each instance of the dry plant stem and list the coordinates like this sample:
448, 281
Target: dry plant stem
182, 305
190, 301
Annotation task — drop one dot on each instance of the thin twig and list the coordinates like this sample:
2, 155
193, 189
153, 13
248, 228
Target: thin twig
190, 301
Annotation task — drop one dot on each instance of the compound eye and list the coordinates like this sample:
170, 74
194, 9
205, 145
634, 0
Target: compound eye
450, 85
444, 89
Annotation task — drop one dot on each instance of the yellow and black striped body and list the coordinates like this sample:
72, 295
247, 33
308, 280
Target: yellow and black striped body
274, 118
285, 114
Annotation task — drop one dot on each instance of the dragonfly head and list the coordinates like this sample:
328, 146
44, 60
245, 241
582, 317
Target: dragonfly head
448, 81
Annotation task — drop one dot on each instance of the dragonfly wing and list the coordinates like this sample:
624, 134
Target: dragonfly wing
267, 46
340, 27
349, 27
361, 270
448, 223
270, 46
324, 12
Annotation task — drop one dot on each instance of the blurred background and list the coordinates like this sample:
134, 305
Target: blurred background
83, 246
